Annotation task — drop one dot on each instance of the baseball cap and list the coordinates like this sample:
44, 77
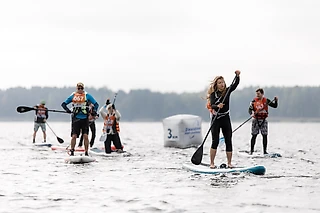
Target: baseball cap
80, 84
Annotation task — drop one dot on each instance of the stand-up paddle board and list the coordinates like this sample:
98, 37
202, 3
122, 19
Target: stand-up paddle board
100, 152
246, 153
205, 169
79, 159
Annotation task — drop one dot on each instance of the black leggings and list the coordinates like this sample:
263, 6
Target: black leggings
224, 124
116, 141
264, 142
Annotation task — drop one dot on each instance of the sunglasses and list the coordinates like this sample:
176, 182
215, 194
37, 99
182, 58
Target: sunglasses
80, 88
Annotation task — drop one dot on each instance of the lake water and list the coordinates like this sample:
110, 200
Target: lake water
152, 178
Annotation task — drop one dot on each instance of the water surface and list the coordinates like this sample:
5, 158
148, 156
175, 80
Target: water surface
152, 179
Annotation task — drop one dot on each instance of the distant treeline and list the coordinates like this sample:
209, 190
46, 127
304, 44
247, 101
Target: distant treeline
299, 103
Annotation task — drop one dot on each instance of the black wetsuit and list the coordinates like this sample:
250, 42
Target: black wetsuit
223, 119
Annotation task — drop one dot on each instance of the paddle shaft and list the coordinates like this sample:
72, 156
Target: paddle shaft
114, 99
23, 109
59, 139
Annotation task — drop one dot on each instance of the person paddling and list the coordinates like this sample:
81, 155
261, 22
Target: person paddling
111, 127
223, 118
80, 123
258, 110
40, 120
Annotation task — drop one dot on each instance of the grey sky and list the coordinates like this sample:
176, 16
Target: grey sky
164, 45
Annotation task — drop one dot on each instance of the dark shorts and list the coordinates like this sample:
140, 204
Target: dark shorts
80, 126
259, 126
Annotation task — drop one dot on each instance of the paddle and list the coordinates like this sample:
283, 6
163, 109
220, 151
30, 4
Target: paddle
222, 138
59, 139
197, 156
103, 137
23, 109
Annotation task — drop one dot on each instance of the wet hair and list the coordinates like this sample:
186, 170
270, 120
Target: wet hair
260, 90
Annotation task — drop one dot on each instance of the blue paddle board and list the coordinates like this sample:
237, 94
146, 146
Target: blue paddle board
205, 169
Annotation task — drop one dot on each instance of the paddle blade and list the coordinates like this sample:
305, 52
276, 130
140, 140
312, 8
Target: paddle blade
60, 140
23, 109
197, 156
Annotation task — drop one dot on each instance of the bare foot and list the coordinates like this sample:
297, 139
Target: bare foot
212, 166
230, 166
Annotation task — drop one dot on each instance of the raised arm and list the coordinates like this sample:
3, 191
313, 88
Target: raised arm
236, 82
273, 103
103, 112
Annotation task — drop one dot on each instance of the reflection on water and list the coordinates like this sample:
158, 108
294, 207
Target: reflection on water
151, 179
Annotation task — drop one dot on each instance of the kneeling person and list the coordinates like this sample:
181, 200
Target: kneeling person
111, 126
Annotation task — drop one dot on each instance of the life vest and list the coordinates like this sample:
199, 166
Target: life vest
111, 125
260, 108
79, 103
40, 114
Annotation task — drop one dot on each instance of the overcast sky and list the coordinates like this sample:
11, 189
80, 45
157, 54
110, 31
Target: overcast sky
163, 45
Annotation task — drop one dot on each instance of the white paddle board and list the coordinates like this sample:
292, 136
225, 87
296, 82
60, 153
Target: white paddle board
246, 153
101, 152
79, 159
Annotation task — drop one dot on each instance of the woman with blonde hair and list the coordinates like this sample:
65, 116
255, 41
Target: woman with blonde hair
222, 121
208, 105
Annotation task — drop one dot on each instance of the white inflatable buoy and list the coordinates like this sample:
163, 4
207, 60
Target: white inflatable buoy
182, 131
